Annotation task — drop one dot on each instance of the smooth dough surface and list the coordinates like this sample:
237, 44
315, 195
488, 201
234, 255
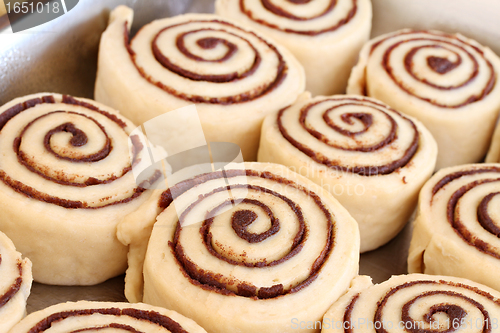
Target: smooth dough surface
325, 35
493, 155
65, 184
15, 284
234, 75
457, 225
273, 248
415, 302
86, 316
370, 157
448, 82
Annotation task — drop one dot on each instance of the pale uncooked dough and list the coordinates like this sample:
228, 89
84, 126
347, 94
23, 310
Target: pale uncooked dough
356, 168
414, 302
432, 77
53, 207
493, 155
325, 41
15, 273
223, 117
463, 247
106, 316
272, 189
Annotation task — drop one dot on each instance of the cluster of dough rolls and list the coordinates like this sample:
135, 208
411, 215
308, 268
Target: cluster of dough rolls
259, 246
234, 75
65, 184
245, 249
325, 35
447, 81
373, 159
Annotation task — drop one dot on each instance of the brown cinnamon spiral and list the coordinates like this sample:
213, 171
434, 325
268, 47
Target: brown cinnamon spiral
15, 284
331, 129
68, 159
415, 303
248, 211
449, 82
251, 240
197, 58
86, 316
324, 16
417, 61
12, 290
460, 204
233, 74
358, 149
325, 35
53, 124
451, 53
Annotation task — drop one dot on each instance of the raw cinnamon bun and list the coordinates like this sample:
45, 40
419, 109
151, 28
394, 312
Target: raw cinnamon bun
415, 303
448, 82
65, 184
373, 159
247, 249
325, 35
457, 225
86, 316
234, 75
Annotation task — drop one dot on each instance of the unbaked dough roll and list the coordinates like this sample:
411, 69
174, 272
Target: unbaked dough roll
250, 248
234, 75
65, 184
457, 225
415, 303
15, 284
86, 316
493, 155
449, 82
370, 157
325, 35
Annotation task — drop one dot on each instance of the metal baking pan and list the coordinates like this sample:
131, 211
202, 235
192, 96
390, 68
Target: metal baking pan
61, 56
